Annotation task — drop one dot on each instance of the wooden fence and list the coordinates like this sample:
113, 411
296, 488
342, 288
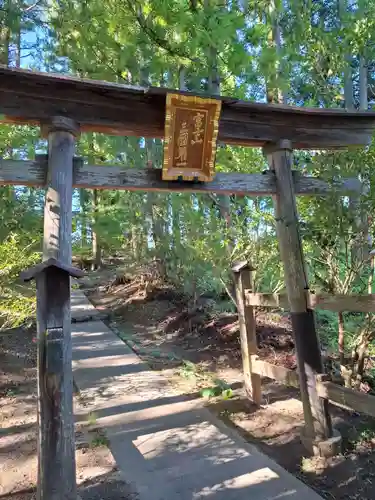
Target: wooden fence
336, 394
326, 301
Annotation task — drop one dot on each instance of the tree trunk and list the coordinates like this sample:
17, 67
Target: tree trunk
83, 209
341, 339
5, 34
17, 41
362, 351
135, 246
363, 106
96, 247
151, 201
359, 357
153, 198
214, 88
277, 95
359, 251
342, 6
363, 84
182, 78
371, 275
348, 84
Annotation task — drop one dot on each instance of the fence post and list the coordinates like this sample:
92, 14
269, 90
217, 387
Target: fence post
246, 318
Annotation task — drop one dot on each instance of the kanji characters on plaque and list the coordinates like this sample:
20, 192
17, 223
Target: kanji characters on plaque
191, 128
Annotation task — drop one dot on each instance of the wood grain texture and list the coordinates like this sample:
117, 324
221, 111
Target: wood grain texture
308, 352
275, 372
31, 97
287, 229
340, 303
56, 467
346, 397
57, 474
336, 394
58, 201
325, 301
246, 318
34, 173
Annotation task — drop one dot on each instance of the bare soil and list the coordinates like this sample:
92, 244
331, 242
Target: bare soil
158, 323
97, 476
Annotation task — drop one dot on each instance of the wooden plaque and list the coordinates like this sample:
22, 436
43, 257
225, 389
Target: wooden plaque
191, 128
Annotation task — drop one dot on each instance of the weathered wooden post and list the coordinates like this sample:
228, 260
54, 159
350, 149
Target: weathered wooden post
317, 419
61, 133
56, 471
246, 318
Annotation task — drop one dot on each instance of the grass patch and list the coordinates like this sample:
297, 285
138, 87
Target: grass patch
99, 441
210, 387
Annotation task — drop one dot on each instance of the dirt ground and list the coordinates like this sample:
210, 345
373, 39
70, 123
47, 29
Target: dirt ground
97, 476
164, 330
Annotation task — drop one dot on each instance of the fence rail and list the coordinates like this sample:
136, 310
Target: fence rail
346, 397
338, 395
335, 303
324, 389
274, 372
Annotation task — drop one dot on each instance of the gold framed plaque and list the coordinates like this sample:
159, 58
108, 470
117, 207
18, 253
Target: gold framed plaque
191, 128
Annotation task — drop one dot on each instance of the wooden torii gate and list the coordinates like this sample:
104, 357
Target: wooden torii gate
64, 107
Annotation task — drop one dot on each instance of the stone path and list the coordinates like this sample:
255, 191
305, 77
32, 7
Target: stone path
166, 446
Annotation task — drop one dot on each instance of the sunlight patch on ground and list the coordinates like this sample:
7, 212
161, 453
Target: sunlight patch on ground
241, 482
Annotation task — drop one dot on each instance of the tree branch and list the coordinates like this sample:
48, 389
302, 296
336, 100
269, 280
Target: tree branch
231, 296
213, 199
161, 42
31, 7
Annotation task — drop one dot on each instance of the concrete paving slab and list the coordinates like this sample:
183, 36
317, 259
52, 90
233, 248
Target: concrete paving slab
166, 444
82, 309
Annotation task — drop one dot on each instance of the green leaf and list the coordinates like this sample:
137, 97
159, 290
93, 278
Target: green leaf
227, 394
208, 392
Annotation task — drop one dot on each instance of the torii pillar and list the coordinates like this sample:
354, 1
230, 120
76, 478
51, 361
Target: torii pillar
318, 433
56, 444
